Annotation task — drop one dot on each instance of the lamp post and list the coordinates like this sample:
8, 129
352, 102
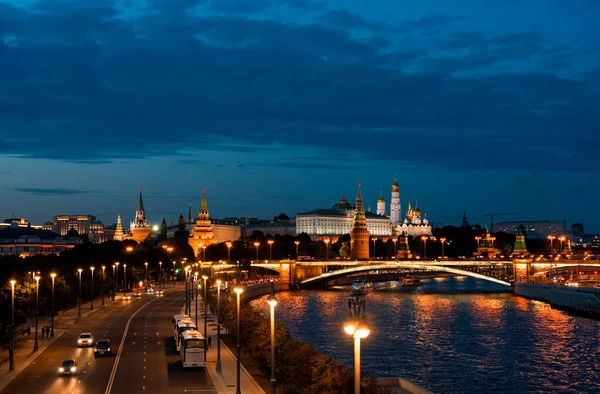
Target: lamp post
270, 242
228, 244
218, 325
146, 277
326, 240
92, 297
551, 238
257, 244
374, 248
443, 241
196, 288
272, 301
52, 275
12, 327
124, 279
358, 329
79, 299
424, 238
160, 277
103, 276
395, 240
187, 291
117, 277
297, 244
205, 331
238, 291
37, 311
561, 239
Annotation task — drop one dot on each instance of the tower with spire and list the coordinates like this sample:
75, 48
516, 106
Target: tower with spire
119, 230
202, 233
520, 248
381, 205
140, 229
359, 235
395, 204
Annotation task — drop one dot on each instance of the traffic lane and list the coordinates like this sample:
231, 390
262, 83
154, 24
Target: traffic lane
153, 364
42, 374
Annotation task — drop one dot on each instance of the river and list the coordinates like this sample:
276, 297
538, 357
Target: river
473, 341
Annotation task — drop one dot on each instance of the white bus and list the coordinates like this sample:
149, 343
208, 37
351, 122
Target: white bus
183, 326
192, 349
176, 319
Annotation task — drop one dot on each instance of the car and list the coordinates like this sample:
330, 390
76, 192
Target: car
160, 292
102, 348
68, 367
85, 339
138, 294
127, 297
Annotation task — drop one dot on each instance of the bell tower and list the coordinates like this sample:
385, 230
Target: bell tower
359, 235
395, 203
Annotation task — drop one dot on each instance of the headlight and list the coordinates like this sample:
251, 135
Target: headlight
79, 341
108, 350
73, 369
61, 369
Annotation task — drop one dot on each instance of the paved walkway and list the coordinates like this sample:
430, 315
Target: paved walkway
24, 354
226, 381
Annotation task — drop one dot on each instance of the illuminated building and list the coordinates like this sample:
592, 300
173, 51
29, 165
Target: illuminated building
202, 233
118, 236
140, 229
539, 229
359, 235
520, 248
28, 241
485, 246
381, 205
413, 223
395, 206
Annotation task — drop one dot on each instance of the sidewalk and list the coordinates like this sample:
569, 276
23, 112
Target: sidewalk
23, 352
226, 381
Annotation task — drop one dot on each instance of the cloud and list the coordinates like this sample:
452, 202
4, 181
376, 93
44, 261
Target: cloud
86, 84
49, 192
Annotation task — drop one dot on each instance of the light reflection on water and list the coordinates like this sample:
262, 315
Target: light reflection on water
455, 343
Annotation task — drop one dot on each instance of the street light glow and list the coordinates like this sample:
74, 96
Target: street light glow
238, 290
272, 301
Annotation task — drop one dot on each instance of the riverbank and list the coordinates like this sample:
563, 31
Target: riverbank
575, 299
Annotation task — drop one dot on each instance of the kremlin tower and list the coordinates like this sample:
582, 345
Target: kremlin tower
202, 233
140, 229
359, 234
381, 205
520, 248
119, 230
395, 204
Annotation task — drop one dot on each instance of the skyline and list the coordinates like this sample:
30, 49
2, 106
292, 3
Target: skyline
283, 106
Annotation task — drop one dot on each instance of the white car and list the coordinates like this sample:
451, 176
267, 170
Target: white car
85, 339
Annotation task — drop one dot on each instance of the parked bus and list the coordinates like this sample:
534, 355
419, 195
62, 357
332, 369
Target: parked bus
176, 319
183, 326
192, 349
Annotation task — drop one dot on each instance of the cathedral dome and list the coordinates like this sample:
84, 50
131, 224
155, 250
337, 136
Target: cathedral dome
395, 187
343, 201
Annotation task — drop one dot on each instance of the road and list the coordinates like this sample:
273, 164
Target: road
147, 362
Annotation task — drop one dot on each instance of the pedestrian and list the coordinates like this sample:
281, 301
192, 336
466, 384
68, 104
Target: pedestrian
209, 342
46, 332
43, 331
28, 331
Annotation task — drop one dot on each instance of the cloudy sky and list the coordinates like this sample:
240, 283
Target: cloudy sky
282, 106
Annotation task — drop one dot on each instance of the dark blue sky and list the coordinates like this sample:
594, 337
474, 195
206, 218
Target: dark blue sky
282, 106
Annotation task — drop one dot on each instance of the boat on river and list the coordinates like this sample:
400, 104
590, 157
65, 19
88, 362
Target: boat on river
361, 288
412, 281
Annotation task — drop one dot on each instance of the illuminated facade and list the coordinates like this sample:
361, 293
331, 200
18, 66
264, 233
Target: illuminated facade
395, 206
28, 241
202, 233
140, 229
118, 235
533, 228
359, 235
413, 223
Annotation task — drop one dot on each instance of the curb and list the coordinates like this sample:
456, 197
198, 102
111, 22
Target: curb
11, 375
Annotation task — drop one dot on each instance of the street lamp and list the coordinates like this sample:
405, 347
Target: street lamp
218, 325
443, 241
272, 301
395, 240
92, 298
297, 244
561, 239
11, 353
124, 279
160, 277
205, 344
326, 240
238, 291
551, 238
103, 275
79, 299
197, 286
270, 242
229, 245
358, 330
146, 278
257, 244
424, 238
37, 311
52, 275
117, 277
374, 250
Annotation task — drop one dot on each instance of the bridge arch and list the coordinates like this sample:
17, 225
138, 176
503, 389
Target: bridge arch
352, 270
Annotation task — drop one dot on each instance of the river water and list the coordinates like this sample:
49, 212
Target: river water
449, 342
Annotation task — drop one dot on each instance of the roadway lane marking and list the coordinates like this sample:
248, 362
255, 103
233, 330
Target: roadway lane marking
111, 380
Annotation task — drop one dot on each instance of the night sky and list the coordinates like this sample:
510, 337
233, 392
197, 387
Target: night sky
282, 106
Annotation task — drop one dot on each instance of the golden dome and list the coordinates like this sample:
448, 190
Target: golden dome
395, 187
343, 201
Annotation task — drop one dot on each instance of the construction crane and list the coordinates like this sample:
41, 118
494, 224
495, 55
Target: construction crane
491, 215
